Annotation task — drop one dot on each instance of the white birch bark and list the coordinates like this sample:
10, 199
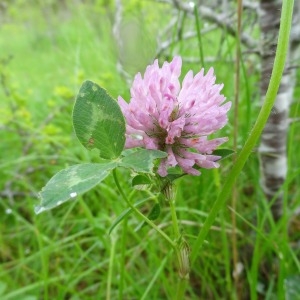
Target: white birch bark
273, 145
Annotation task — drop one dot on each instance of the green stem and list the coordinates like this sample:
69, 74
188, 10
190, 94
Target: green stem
198, 25
156, 276
174, 220
181, 283
181, 252
234, 194
181, 289
282, 48
150, 223
110, 268
45, 264
123, 258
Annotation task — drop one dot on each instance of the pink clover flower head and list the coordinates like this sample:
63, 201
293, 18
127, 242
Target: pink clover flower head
163, 114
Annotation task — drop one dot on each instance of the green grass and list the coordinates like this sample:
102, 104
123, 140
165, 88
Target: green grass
67, 253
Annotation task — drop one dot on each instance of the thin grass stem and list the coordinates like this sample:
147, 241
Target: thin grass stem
235, 255
155, 276
122, 259
198, 29
110, 267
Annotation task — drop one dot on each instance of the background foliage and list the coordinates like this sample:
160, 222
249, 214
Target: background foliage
47, 49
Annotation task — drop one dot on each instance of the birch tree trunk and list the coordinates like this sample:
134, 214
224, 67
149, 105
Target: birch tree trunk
273, 145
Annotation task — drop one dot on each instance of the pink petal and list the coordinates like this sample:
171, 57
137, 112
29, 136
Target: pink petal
160, 115
175, 130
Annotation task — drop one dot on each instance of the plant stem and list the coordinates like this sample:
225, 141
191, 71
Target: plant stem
174, 220
181, 252
181, 289
150, 223
155, 276
279, 62
198, 29
235, 256
110, 267
122, 260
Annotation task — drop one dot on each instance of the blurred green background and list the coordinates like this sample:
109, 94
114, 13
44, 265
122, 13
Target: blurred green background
48, 48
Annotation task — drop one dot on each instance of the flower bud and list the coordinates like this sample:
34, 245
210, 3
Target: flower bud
168, 190
183, 253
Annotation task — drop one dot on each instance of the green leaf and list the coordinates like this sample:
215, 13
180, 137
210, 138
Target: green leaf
171, 177
155, 212
70, 182
98, 121
225, 153
142, 160
126, 213
126, 152
141, 182
153, 215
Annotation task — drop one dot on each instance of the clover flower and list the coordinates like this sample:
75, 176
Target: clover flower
176, 119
